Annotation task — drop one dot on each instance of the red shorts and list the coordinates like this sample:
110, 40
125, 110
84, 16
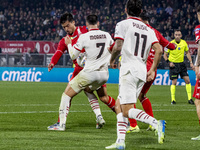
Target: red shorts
77, 69
196, 93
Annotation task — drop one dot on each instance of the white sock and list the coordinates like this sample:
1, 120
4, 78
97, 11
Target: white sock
94, 103
121, 128
140, 115
64, 109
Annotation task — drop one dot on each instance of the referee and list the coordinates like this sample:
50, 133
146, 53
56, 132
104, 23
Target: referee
177, 65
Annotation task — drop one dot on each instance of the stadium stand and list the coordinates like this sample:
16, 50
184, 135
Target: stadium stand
39, 19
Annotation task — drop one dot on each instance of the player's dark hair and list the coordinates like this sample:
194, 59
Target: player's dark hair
92, 19
66, 17
134, 7
177, 30
145, 15
198, 8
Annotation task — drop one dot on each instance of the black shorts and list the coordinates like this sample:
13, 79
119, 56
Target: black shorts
179, 68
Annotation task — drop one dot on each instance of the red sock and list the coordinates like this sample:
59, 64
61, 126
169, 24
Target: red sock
111, 103
199, 122
133, 122
146, 104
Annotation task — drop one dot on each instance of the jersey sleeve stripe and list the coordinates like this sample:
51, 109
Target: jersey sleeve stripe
60, 51
119, 38
197, 41
77, 49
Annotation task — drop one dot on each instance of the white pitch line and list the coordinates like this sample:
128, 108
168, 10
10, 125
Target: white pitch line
84, 111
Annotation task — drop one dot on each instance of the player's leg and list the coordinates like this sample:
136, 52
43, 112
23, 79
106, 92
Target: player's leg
173, 91
185, 76
94, 103
75, 72
173, 73
57, 124
146, 104
197, 103
99, 78
188, 89
122, 123
104, 97
196, 95
129, 92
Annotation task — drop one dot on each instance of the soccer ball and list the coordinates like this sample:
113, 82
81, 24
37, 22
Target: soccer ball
81, 59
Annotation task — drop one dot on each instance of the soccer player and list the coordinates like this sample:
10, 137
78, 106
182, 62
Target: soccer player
177, 66
146, 104
196, 93
68, 24
95, 72
134, 40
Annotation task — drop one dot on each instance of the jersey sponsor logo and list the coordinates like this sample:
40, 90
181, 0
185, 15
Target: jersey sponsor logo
74, 37
140, 26
179, 48
29, 75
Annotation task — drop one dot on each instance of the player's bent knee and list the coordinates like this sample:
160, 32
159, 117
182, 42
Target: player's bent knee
125, 113
104, 99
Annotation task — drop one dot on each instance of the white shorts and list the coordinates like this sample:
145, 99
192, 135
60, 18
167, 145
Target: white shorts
129, 88
92, 79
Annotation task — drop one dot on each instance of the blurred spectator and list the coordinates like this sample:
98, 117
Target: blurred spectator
167, 36
34, 57
169, 10
18, 60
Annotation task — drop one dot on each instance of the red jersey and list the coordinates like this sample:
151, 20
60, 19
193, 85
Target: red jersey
197, 33
163, 42
62, 47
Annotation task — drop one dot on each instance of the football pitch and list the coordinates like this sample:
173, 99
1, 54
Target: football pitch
27, 108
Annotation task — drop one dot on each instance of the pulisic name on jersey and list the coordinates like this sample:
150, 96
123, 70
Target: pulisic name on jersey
140, 26
97, 37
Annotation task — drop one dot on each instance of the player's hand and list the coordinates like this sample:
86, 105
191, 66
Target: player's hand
150, 75
50, 66
113, 65
171, 64
192, 66
67, 40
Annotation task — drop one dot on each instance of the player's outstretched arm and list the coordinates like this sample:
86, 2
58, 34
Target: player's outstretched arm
73, 51
157, 58
115, 52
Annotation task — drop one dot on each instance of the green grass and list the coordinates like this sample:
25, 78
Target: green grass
26, 109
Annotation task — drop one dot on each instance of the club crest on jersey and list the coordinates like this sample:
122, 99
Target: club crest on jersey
179, 48
197, 30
